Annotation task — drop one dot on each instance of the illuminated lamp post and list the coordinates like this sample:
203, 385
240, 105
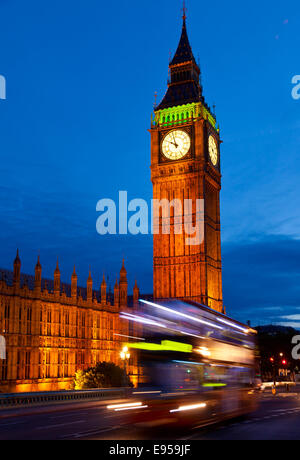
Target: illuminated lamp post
272, 360
125, 356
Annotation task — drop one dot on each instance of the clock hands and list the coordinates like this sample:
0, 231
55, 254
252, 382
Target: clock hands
176, 145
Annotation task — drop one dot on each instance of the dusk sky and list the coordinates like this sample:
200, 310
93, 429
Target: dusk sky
81, 77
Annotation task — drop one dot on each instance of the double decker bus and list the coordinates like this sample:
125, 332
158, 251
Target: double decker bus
197, 365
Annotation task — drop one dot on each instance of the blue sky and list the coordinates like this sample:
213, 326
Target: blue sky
81, 78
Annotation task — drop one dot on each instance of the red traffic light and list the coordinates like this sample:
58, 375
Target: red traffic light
284, 362
272, 360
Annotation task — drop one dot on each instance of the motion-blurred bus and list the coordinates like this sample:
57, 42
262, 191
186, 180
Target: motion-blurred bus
196, 365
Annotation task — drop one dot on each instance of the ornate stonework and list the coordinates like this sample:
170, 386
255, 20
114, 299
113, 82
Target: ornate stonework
54, 329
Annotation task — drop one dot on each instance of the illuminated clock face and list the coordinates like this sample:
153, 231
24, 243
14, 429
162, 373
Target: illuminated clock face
176, 144
213, 150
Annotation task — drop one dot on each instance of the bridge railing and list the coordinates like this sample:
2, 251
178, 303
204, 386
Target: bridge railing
29, 399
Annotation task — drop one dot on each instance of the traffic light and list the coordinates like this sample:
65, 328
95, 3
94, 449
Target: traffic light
284, 362
272, 360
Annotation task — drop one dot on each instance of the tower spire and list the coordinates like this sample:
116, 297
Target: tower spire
184, 11
57, 279
57, 271
17, 270
74, 284
103, 291
17, 259
38, 264
184, 53
89, 286
184, 74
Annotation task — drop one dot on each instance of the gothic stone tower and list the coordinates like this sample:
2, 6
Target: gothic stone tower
185, 164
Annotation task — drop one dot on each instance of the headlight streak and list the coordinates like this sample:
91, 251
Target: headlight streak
183, 315
125, 406
131, 408
138, 319
187, 408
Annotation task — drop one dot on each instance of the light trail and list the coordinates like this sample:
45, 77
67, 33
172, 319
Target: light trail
183, 315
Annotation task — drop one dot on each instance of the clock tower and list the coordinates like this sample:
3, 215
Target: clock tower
185, 165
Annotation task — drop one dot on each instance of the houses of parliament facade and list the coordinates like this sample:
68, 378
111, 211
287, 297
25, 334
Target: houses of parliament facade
54, 329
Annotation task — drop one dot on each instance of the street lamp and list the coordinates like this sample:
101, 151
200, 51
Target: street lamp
125, 356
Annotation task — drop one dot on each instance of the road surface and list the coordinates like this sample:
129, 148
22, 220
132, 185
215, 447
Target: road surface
278, 418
